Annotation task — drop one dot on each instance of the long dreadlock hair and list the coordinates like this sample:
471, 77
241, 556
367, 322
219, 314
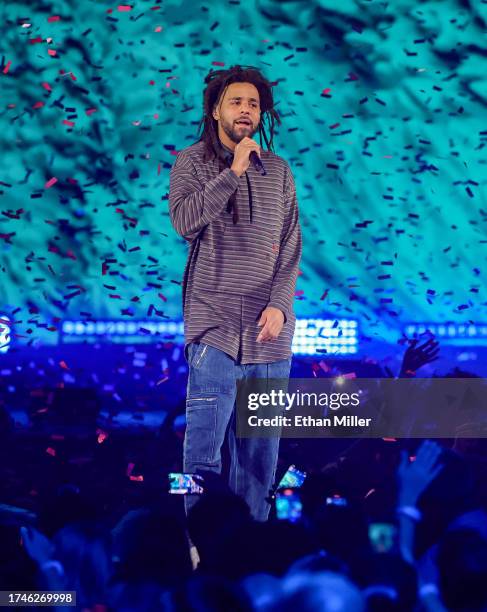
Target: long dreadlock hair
217, 82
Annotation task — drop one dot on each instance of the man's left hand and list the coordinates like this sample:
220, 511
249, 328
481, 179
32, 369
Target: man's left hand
272, 319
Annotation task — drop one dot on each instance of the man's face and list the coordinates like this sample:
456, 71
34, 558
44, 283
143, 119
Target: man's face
239, 102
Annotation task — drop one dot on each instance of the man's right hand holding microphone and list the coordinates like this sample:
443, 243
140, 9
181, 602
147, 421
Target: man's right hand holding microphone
241, 155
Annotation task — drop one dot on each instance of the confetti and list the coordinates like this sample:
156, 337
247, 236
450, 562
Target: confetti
52, 181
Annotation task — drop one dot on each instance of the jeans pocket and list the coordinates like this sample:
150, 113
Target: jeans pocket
280, 369
197, 354
201, 424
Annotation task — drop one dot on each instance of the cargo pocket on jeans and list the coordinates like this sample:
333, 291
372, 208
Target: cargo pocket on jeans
201, 422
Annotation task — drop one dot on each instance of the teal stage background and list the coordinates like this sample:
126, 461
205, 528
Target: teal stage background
383, 110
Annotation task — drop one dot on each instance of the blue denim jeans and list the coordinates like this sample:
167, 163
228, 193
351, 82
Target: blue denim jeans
210, 416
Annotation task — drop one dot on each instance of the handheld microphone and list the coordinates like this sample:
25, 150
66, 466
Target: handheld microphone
257, 163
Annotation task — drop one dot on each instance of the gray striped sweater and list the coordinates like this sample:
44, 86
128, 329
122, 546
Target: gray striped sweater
234, 270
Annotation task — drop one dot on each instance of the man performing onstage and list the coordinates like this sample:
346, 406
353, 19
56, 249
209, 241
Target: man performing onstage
244, 249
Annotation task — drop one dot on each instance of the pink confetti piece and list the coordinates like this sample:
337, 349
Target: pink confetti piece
70, 123
51, 451
324, 366
38, 105
102, 436
34, 41
7, 67
158, 29
52, 52
217, 63
52, 181
46, 86
137, 478
64, 365
53, 18
124, 7
90, 111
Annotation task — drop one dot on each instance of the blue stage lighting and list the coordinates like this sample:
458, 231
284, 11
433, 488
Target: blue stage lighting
312, 336
453, 334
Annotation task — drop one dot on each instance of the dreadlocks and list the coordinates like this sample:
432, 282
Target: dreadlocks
216, 83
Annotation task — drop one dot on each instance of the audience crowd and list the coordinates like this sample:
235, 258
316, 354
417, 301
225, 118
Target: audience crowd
401, 528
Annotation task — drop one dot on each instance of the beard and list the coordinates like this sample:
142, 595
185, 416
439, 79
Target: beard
237, 132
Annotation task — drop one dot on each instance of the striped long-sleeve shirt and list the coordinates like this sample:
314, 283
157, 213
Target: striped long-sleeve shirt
235, 270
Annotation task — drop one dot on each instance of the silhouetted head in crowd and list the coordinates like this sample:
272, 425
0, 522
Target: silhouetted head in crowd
84, 553
268, 548
151, 545
319, 562
462, 565
342, 531
387, 581
206, 594
141, 596
66, 506
211, 519
261, 589
325, 592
